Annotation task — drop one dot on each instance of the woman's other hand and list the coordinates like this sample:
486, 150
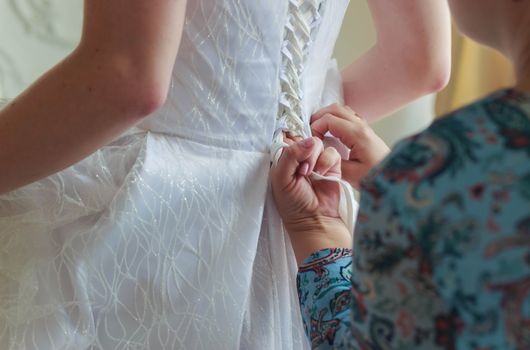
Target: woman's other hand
366, 148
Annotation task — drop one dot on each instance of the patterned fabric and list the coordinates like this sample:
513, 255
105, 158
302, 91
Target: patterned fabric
442, 246
325, 278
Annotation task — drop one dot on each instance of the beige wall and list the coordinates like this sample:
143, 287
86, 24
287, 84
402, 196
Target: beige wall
357, 34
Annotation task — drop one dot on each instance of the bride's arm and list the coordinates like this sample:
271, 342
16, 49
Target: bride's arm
118, 74
411, 57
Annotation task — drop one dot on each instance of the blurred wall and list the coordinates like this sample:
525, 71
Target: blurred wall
34, 34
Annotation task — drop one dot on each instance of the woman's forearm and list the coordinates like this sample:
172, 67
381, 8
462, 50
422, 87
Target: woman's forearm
411, 57
74, 109
325, 294
119, 74
377, 85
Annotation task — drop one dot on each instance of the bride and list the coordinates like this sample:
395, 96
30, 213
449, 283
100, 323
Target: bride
135, 211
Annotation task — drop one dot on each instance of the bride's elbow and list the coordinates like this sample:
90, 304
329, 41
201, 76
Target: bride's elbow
432, 73
141, 94
436, 77
132, 87
144, 99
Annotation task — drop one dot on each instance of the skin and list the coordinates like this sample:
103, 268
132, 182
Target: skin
502, 25
366, 148
120, 73
510, 34
117, 75
411, 57
309, 209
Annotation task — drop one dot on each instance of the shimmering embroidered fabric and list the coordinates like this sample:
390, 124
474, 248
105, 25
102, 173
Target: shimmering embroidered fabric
167, 238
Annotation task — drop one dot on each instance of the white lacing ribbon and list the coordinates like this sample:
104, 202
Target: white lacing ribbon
303, 17
347, 204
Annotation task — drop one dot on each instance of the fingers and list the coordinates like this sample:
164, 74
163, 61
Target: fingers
295, 138
313, 158
349, 132
340, 111
329, 163
289, 139
299, 158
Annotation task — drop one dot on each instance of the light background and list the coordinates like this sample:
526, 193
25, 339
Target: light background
35, 34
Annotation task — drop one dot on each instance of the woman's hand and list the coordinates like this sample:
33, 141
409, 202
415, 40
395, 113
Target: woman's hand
309, 209
366, 148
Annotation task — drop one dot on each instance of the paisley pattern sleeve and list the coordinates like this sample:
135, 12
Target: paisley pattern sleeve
324, 290
442, 243
394, 299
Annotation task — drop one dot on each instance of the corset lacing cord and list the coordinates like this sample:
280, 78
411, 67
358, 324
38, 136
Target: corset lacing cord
304, 16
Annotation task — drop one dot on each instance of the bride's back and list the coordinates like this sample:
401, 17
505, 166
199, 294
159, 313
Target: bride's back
168, 239
227, 81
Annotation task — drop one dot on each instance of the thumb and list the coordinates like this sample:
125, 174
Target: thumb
293, 161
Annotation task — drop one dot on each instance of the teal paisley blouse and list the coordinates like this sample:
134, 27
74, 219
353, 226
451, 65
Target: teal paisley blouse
442, 245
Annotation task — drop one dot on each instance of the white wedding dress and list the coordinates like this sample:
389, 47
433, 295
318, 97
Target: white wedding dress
168, 238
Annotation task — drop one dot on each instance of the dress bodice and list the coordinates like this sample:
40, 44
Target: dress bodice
247, 67
169, 239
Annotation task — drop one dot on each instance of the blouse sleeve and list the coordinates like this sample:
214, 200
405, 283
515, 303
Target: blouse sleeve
441, 253
395, 301
384, 297
324, 291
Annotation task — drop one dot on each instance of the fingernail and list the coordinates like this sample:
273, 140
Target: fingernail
308, 143
304, 169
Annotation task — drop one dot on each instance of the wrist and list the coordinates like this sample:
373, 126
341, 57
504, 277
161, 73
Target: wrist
311, 234
317, 223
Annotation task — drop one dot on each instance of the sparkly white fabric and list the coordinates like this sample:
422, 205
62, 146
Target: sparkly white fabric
168, 237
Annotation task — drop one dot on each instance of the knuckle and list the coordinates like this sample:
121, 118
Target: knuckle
328, 116
364, 131
329, 119
344, 109
332, 151
329, 156
318, 142
289, 152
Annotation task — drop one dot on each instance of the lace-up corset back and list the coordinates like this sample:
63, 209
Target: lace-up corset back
302, 19
247, 67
